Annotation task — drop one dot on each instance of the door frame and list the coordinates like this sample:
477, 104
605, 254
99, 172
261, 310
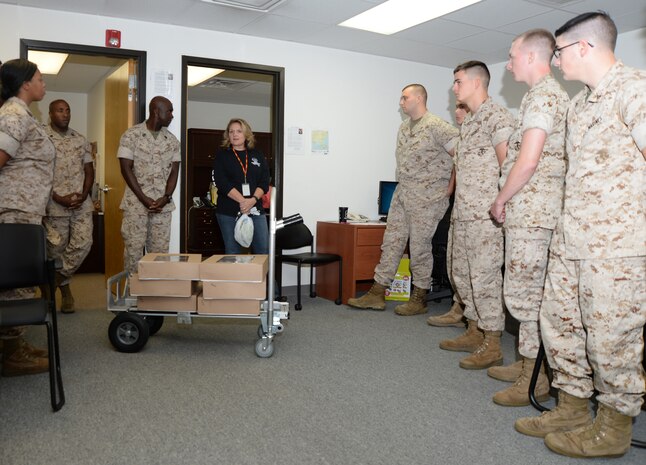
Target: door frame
76, 49
277, 122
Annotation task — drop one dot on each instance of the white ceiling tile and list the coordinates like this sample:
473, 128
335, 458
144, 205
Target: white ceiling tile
551, 21
328, 11
282, 28
495, 13
485, 42
439, 31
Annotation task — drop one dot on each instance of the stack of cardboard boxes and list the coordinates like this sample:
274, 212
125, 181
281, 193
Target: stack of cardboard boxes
222, 284
233, 284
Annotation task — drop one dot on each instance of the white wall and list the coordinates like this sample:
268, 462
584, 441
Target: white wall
217, 115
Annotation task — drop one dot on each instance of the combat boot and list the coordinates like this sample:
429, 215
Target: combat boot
374, 299
416, 305
17, 361
517, 395
67, 303
468, 341
569, 414
454, 317
509, 373
608, 436
485, 356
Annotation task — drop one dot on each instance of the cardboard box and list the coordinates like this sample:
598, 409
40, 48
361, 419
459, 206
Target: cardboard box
234, 290
161, 287
240, 268
228, 306
167, 304
183, 266
400, 287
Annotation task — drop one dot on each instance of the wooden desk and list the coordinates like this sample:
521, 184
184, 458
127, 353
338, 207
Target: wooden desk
360, 246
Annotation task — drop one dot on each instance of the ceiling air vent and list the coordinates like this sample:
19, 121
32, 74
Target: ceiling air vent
253, 5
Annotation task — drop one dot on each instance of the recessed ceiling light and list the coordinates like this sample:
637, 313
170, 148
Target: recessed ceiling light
396, 15
198, 74
47, 62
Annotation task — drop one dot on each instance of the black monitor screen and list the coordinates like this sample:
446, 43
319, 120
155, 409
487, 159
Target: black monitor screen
386, 191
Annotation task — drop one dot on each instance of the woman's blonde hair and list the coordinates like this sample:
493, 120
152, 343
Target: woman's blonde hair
250, 140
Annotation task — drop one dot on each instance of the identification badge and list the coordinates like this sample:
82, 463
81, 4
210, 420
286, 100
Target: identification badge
246, 191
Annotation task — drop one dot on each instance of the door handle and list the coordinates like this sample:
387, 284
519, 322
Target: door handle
105, 188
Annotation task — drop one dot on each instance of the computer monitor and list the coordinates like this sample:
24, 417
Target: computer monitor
386, 191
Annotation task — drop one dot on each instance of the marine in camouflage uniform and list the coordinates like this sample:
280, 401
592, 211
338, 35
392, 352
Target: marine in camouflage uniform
477, 251
25, 186
477, 240
69, 211
151, 155
529, 202
594, 307
419, 202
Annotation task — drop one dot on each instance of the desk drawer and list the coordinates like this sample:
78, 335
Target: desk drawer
365, 260
370, 236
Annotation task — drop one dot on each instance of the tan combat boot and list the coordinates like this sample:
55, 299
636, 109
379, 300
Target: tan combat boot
508, 373
468, 341
17, 361
454, 317
517, 395
373, 299
485, 356
569, 414
416, 305
608, 436
67, 303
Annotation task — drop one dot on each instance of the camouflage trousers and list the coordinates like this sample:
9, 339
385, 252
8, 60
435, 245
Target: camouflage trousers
17, 217
412, 220
69, 238
149, 231
449, 265
591, 319
476, 269
526, 251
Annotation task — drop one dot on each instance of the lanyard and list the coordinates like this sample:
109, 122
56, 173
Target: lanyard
246, 163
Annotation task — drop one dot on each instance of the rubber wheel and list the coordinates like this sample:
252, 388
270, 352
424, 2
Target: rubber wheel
312, 295
264, 352
154, 323
128, 332
298, 307
337, 301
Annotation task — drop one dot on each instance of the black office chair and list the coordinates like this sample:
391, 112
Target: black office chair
24, 263
296, 236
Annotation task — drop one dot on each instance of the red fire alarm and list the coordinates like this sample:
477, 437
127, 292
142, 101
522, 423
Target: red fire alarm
112, 38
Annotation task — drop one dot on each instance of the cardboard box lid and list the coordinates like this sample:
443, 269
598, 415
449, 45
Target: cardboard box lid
238, 268
161, 287
182, 266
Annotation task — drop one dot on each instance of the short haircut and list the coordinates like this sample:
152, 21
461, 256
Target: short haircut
13, 74
595, 25
250, 139
539, 40
419, 89
55, 102
475, 68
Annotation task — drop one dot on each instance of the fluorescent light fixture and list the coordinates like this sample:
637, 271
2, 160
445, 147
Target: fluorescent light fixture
47, 62
198, 74
396, 15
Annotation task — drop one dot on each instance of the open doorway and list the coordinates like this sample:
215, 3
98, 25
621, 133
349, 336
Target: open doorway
105, 88
253, 92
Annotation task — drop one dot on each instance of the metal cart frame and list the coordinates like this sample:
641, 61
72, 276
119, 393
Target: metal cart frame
130, 329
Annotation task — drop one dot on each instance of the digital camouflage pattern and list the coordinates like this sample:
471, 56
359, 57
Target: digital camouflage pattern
419, 201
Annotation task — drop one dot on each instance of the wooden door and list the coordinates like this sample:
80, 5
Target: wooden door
120, 114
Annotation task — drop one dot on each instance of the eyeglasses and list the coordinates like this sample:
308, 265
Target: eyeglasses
557, 50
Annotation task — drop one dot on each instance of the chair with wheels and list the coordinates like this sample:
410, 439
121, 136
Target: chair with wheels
296, 236
24, 263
